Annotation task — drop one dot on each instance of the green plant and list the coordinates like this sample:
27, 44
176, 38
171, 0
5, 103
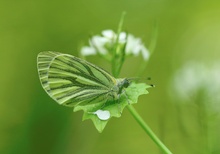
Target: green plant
74, 82
115, 48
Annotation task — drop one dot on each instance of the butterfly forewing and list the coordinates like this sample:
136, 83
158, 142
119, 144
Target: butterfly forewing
70, 80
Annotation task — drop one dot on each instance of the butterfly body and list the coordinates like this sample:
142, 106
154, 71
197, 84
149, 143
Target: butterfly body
73, 81
118, 88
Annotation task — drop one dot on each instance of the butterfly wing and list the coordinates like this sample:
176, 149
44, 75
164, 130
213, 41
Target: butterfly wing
70, 80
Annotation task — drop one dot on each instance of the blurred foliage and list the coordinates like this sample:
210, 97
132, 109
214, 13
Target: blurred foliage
31, 122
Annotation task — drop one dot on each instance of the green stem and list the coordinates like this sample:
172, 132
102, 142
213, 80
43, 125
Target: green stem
118, 55
147, 129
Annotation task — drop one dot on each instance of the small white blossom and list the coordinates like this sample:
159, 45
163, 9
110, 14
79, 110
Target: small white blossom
85, 51
108, 34
102, 44
145, 53
98, 43
135, 46
196, 80
122, 37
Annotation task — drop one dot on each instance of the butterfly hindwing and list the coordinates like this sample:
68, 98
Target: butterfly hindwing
70, 80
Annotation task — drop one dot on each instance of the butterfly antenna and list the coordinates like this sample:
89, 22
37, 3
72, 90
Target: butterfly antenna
152, 85
137, 78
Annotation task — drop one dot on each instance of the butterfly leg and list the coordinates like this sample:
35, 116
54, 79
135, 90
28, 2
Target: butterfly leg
119, 105
107, 99
126, 96
104, 104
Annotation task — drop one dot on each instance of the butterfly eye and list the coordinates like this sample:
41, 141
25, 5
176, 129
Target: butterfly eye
126, 83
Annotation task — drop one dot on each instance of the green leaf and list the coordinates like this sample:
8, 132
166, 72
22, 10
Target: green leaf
114, 107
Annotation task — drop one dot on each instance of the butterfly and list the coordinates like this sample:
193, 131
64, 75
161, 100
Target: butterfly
72, 81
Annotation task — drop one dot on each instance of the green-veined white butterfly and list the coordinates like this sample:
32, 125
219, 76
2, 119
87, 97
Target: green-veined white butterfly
72, 81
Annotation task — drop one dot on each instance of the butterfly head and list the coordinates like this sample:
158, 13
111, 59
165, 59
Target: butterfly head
126, 83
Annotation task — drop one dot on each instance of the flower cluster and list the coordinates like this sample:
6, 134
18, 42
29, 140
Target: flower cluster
104, 44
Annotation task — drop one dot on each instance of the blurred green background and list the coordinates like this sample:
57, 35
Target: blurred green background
31, 122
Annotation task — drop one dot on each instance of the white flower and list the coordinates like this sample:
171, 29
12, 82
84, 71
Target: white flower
98, 43
195, 81
122, 37
85, 51
110, 34
103, 44
135, 46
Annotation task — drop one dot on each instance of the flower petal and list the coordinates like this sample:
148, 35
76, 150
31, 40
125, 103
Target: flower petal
145, 53
85, 51
110, 34
122, 37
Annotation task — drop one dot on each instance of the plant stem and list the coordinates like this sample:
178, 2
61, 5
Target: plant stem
118, 53
148, 130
